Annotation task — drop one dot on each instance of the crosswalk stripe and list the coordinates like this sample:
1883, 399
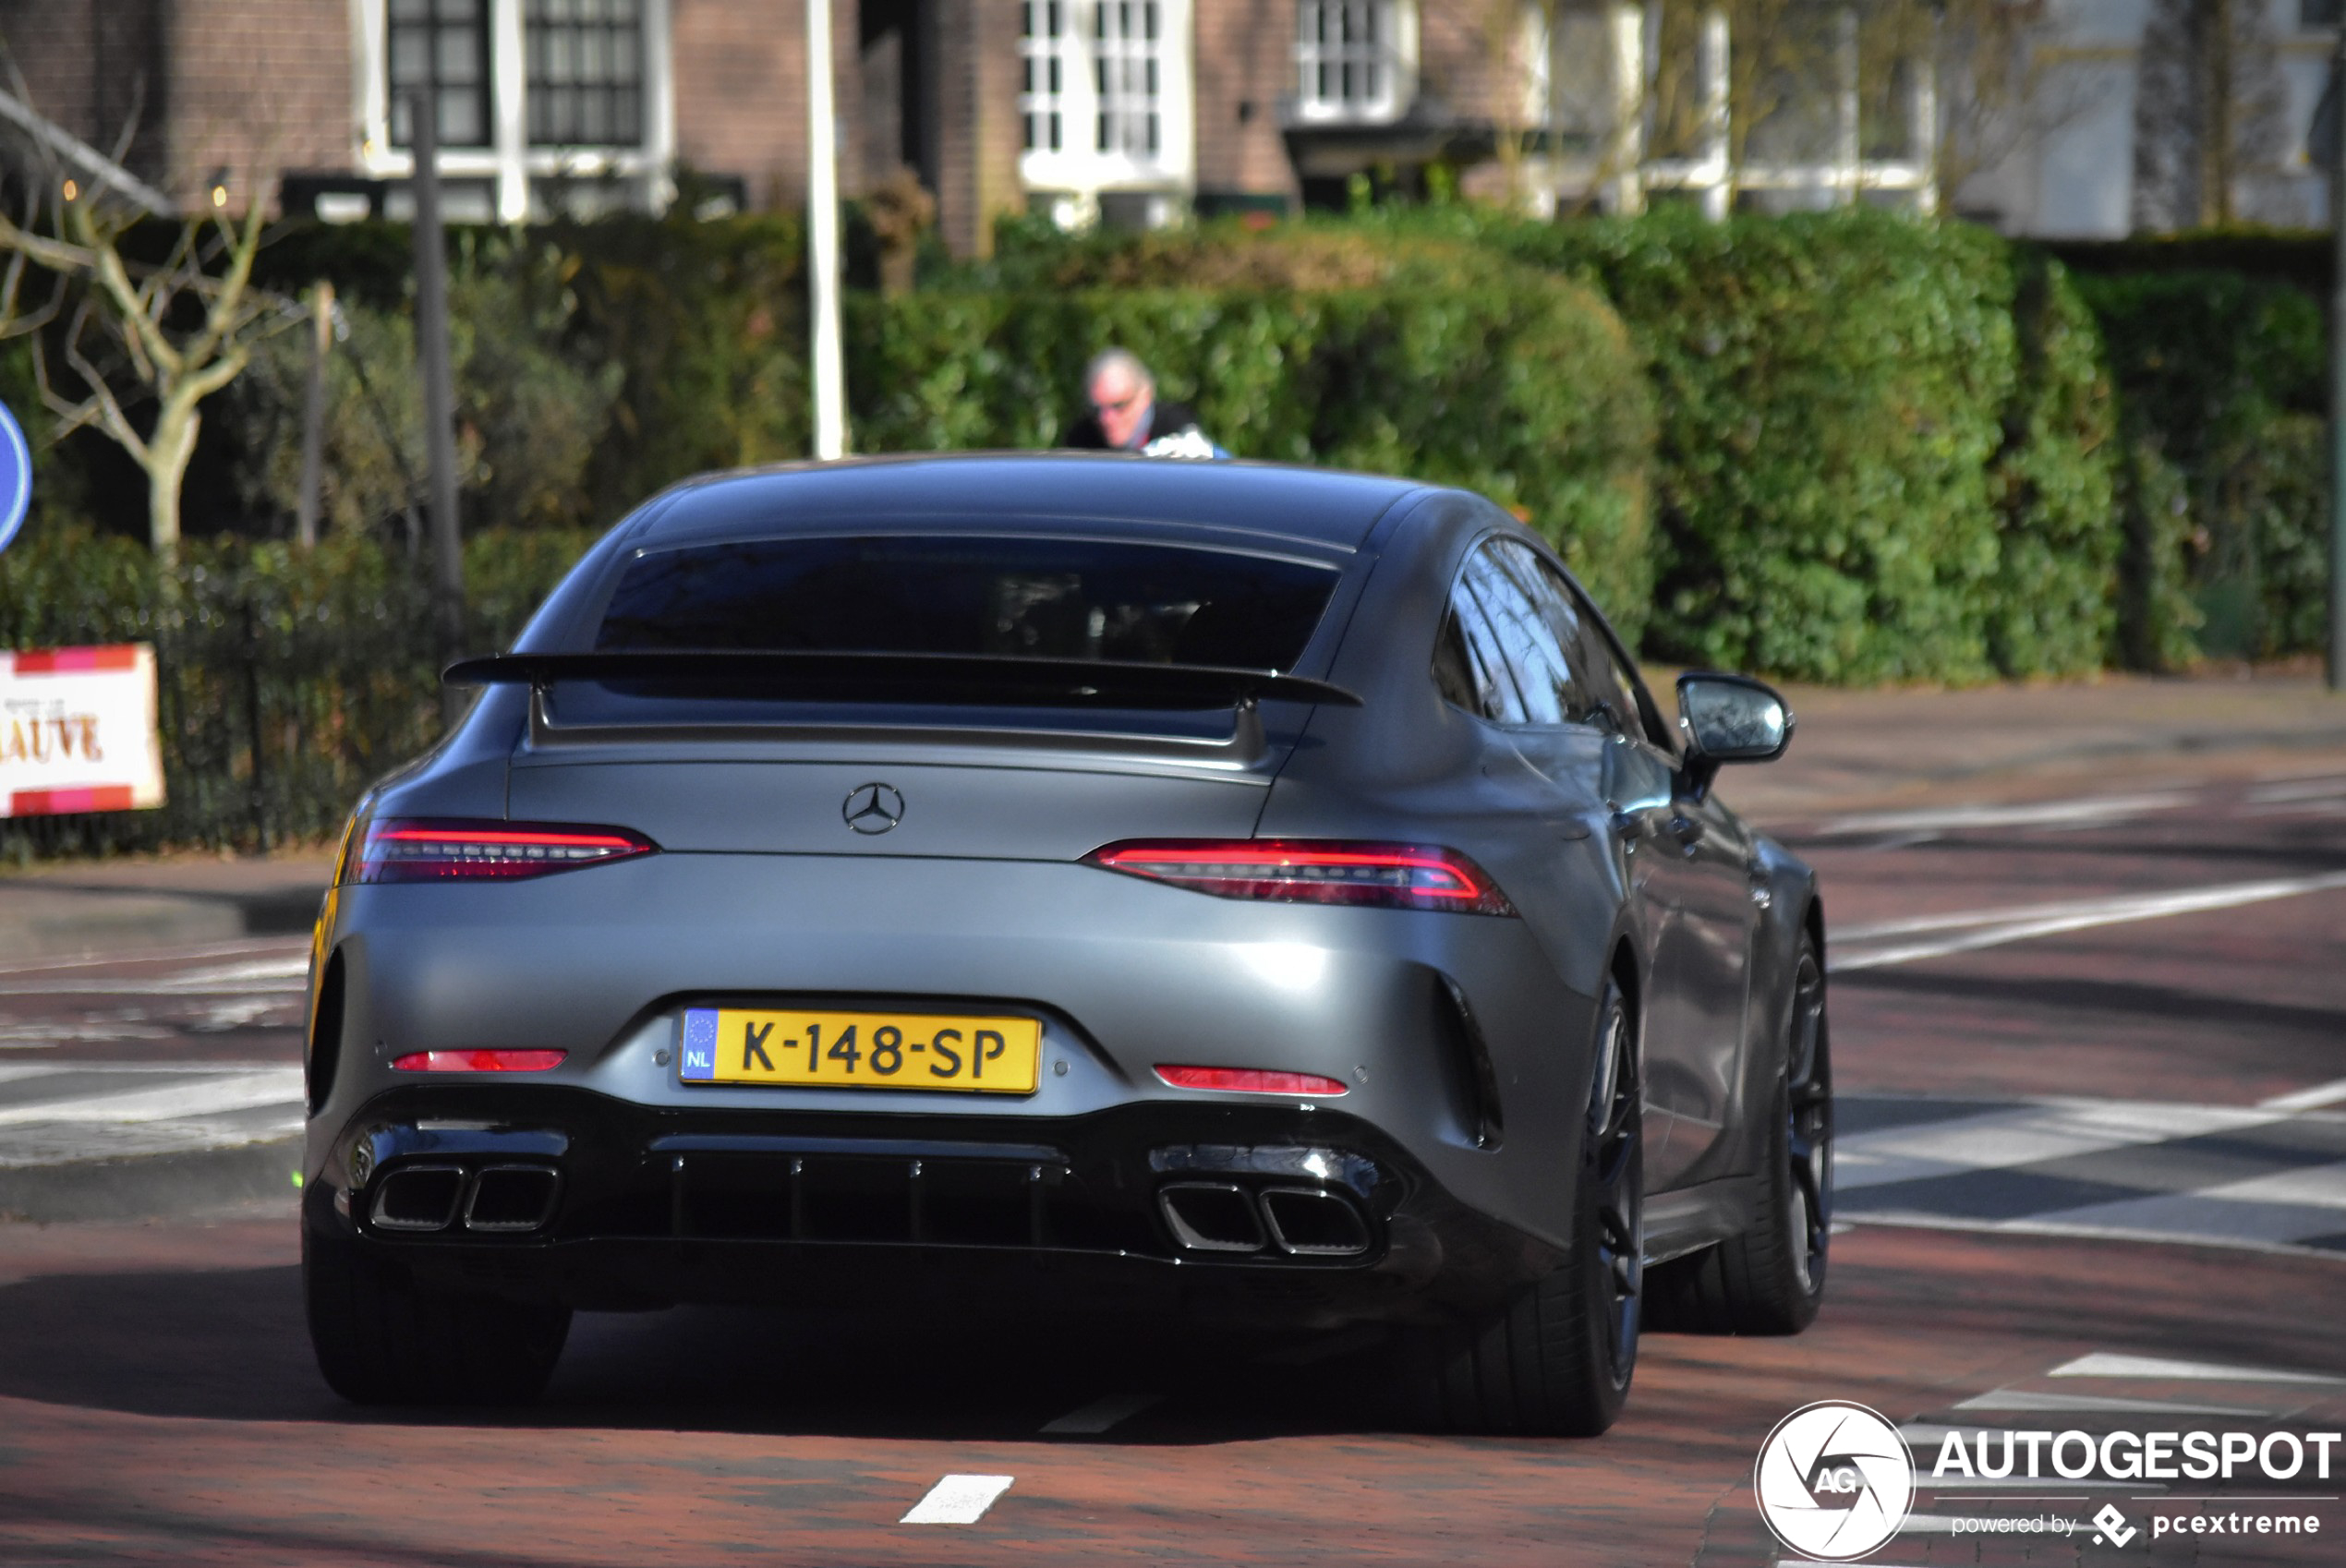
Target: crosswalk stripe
208, 1095
2242, 1176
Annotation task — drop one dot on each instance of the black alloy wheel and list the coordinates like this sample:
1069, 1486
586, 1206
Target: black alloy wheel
1808, 1125
1612, 1171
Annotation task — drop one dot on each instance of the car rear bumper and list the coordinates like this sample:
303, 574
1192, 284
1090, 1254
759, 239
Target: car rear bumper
1236, 1212
1461, 1042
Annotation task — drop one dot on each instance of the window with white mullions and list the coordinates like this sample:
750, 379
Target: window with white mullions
1042, 102
586, 72
1353, 58
1127, 41
444, 45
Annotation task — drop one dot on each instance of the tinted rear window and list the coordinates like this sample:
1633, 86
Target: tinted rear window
1038, 597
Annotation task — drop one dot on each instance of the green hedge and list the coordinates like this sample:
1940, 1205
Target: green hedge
285, 683
2222, 383
1526, 389
1884, 448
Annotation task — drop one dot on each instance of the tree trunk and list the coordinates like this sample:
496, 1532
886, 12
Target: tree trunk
168, 452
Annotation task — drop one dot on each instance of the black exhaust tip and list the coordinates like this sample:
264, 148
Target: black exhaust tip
419, 1198
512, 1197
1208, 1216
1310, 1221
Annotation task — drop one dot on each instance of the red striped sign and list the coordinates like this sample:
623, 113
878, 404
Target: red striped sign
78, 730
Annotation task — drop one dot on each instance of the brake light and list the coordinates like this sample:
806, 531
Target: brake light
478, 1061
1252, 1081
1314, 870
430, 849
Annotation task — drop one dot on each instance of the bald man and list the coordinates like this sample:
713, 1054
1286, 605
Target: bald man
1126, 415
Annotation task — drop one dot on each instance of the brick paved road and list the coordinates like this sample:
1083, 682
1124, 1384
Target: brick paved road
2097, 1092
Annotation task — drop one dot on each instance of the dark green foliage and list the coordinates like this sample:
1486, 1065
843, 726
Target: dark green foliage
1885, 444
2220, 379
286, 684
1524, 389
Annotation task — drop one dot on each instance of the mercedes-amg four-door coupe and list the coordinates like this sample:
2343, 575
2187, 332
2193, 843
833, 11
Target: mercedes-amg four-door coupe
988, 888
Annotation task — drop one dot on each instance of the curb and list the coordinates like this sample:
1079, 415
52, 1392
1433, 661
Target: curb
164, 1186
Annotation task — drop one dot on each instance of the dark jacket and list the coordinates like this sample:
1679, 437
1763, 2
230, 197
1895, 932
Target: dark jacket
1166, 419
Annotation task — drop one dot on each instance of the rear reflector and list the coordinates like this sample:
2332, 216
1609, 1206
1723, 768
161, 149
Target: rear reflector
1252, 1081
418, 850
1314, 870
478, 1061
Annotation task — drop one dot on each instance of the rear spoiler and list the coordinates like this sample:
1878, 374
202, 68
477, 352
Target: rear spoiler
1004, 679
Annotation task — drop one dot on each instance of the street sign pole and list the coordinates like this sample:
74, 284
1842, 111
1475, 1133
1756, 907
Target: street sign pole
432, 357
2335, 666
829, 373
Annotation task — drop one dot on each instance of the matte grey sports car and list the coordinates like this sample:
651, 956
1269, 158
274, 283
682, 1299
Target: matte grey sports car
1071, 883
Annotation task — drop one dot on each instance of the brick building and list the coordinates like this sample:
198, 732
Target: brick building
1132, 110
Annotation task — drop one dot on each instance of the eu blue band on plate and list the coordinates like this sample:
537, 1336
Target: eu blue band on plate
699, 1052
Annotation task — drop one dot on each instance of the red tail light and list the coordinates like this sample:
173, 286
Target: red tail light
478, 1061
1314, 870
1252, 1081
399, 848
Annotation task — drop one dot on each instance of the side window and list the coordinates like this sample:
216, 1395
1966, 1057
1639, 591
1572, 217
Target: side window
1617, 679
1526, 641
1467, 666
1557, 642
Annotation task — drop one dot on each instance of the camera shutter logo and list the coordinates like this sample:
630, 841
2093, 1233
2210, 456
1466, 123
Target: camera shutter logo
1834, 1480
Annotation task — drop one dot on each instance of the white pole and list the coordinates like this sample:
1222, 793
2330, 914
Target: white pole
1718, 178
822, 237
1628, 152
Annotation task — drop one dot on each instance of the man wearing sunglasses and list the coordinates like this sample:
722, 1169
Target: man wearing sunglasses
1126, 415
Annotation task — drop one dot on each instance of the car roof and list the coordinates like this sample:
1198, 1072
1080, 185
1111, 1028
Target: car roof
1111, 491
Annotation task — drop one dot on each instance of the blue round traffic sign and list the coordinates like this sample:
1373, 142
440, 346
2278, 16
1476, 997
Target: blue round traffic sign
16, 476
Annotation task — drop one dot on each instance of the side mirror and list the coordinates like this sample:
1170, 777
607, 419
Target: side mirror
1729, 718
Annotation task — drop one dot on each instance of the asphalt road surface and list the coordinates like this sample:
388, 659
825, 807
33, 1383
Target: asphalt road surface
2092, 1052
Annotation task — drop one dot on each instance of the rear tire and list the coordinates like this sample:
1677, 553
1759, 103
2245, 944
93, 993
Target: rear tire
1770, 1279
1557, 1361
383, 1339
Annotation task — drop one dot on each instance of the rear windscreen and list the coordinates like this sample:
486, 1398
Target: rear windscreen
1037, 597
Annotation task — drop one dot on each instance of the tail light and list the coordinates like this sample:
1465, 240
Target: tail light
404, 849
1314, 870
478, 1061
1252, 1081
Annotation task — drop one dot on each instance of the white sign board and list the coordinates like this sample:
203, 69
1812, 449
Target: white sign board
78, 730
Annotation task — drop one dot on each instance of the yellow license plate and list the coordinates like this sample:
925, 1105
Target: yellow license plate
984, 1055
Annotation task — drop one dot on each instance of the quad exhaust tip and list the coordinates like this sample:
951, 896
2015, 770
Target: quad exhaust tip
498, 1198
1304, 1221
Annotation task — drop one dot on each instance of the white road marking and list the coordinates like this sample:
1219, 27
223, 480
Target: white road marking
2314, 1099
2047, 920
958, 1500
206, 1096
1921, 1220
2049, 1130
253, 987
2109, 1364
2022, 1400
1941, 819
34, 1036
166, 955
1101, 1415
2303, 789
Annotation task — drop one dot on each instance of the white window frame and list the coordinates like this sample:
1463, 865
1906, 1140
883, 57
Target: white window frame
1393, 25
1077, 167
510, 163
